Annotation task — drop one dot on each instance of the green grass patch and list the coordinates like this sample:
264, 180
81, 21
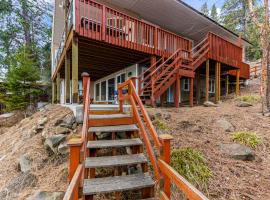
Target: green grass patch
159, 124
248, 138
250, 98
191, 164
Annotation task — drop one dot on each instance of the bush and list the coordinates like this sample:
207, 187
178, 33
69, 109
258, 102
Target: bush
192, 165
247, 138
250, 98
159, 124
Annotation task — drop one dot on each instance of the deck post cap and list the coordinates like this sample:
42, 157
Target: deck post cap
85, 74
76, 141
166, 137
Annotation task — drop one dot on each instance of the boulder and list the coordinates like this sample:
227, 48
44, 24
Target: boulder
25, 163
209, 104
42, 121
61, 130
68, 121
52, 143
42, 195
238, 151
243, 104
63, 149
226, 125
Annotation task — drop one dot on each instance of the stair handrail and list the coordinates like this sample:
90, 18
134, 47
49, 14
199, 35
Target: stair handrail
78, 147
161, 165
200, 43
150, 68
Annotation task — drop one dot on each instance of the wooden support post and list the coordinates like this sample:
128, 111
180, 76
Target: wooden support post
75, 145
75, 70
198, 87
120, 100
67, 78
237, 86
227, 85
85, 77
166, 157
177, 91
58, 88
191, 92
219, 81
53, 92
207, 81
216, 82
153, 60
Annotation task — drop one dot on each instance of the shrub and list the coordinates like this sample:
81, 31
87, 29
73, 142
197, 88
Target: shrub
247, 138
192, 165
159, 124
250, 98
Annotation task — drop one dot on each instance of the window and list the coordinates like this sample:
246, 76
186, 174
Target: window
129, 74
111, 89
97, 92
103, 91
212, 86
186, 84
121, 78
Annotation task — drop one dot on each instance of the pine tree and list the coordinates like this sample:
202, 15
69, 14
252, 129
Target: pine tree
21, 81
204, 9
214, 14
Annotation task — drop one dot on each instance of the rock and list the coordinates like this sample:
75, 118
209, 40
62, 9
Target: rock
42, 121
29, 133
209, 104
151, 116
238, 151
267, 114
52, 143
20, 182
25, 163
63, 149
167, 116
68, 121
61, 130
41, 195
226, 125
101, 135
243, 104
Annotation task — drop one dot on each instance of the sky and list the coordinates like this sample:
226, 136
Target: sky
198, 3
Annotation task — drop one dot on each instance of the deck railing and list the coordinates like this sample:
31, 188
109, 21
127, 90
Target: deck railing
224, 51
99, 22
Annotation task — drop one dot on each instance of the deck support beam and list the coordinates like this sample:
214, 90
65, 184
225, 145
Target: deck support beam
53, 92
75, 70
177, 91
191, 92
67, 78
217, 82
207, 81
198, 87
153, 60
58, 87
237, 86
227, 85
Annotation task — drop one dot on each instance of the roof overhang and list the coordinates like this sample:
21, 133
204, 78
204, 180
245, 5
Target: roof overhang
176, 16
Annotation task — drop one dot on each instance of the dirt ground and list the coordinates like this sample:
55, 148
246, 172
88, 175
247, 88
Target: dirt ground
47, 174
196, 127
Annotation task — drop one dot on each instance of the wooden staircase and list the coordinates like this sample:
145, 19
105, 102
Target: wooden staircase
160, 76
128, 145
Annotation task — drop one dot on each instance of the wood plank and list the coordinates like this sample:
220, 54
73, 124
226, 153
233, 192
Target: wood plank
98, 144
117, 184
119, 128
115, 161
113, 116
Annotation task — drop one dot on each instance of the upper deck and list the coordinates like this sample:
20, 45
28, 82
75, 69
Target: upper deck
101, 23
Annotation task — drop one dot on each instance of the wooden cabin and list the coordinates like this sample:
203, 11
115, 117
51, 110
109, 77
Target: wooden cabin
175, 54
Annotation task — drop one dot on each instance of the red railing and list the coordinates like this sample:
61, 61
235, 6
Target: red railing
161, 164
77, 172
224, 51
99, 22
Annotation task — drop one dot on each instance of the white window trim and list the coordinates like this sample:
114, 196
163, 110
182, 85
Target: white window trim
188, 83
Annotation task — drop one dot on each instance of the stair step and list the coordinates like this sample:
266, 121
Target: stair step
119, 128
117, 184
114, 161
98, 144
111, 116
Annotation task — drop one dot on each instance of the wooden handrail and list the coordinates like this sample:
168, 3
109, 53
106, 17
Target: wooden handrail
148, 69
188, 189
74, 183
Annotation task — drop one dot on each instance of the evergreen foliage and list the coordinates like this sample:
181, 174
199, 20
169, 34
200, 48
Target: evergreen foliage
204, 9
214, 14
